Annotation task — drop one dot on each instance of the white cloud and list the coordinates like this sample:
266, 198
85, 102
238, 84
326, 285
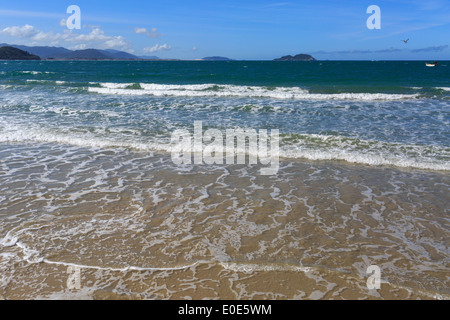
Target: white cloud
431, 49
157, 48
63, 22
152, 33
80, 46
94, 39
99, 39
46, 37
117, 42
140, 30
96, 35
26, 31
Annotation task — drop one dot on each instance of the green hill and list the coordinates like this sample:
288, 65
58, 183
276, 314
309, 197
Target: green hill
10, 53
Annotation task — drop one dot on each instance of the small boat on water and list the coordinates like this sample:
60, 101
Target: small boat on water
431, 64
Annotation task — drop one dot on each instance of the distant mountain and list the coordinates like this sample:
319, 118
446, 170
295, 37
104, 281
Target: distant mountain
298, 57
215, 58
10, 53
96, 54
66, 54
88, 54
42, 52
116, 54
149, 57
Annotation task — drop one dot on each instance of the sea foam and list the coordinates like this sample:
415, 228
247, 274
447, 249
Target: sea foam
216, 90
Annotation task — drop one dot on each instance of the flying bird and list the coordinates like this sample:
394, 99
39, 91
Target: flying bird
405, 41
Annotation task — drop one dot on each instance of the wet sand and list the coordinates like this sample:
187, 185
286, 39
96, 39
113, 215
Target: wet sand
135, 226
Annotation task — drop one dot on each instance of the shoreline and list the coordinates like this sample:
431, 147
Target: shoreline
165, 153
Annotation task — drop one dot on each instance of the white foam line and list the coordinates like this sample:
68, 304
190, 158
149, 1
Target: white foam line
365, 159
329, 148
79, 141
378, 153
28, 252
214, 90
46, 81
248, 268
125, 269
33, 72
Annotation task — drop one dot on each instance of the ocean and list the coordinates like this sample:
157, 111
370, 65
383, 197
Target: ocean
93, 205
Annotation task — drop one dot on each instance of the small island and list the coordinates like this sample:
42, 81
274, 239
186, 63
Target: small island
216, 58
10, 53
298, 57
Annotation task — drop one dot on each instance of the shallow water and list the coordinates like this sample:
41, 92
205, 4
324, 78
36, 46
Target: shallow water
130, 220
93, 207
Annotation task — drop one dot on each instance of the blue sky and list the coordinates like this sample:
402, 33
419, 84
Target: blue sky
249, 30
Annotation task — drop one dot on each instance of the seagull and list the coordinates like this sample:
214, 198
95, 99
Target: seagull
405, 41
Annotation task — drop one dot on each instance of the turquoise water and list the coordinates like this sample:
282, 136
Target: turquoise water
335, 76
392, 113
